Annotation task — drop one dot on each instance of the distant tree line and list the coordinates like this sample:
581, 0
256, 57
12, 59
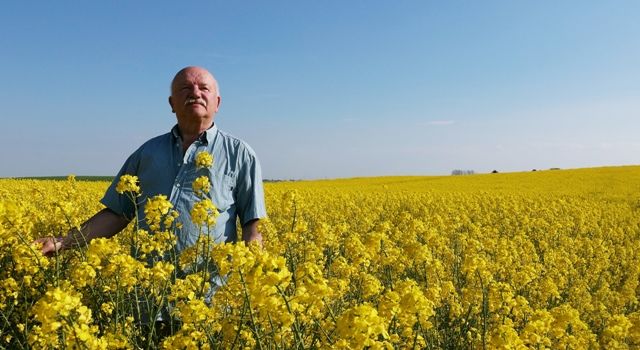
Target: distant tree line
471, 172
462, 172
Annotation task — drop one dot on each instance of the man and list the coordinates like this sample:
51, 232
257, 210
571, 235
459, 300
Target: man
166, 165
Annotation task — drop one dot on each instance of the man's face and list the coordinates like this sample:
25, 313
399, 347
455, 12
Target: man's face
194, 96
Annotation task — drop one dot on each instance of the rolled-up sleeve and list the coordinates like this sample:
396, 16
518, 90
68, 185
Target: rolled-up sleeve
250, 192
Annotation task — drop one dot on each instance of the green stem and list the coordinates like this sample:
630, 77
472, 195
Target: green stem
254, 328
296, 326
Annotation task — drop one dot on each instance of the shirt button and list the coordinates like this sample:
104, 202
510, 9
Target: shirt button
177, 185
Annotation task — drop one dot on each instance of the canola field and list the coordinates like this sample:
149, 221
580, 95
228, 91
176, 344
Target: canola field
536, 260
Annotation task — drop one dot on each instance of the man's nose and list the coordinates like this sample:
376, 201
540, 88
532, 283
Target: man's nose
195, 91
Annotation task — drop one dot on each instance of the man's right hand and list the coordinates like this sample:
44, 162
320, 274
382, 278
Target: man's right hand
50, 245
104, 223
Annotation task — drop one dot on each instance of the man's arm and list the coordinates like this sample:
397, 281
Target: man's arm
250, 195
250, 232
104, 223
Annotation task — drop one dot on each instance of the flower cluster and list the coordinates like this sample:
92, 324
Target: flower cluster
63, 321
128, 183
201, 186
204, 160
204, 213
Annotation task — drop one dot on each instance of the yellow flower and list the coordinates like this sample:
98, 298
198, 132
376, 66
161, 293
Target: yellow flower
10, 291
361, 327
83, 274
204, 212
505, 337
107, 308
128, 183
201, 185
188, 288
204, 160
370, 285
63, 320
158, 212
616, 332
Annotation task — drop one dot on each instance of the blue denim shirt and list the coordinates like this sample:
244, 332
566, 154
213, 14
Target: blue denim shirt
162, 168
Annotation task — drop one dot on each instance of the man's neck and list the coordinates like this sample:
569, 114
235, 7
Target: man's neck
191, 133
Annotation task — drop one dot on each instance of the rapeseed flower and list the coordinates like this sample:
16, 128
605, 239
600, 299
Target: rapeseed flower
202, 185
204, 160
204, 213
128, 183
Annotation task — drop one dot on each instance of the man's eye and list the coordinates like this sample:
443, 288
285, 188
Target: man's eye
205, 89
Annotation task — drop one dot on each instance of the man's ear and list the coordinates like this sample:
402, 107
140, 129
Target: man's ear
219, 99
171, 104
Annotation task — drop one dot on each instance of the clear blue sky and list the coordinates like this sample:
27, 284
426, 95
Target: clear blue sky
324, 89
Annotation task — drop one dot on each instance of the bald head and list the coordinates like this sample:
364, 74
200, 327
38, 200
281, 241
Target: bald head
194, 70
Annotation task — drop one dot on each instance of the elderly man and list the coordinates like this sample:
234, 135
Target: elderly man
166, 165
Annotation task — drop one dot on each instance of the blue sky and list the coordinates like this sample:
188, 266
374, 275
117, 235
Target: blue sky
325, 89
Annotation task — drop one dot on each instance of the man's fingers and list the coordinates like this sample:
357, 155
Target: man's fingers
49, 245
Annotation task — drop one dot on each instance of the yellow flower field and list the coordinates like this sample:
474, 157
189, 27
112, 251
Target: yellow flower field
537, 260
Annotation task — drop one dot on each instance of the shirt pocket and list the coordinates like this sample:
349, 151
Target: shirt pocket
222, 191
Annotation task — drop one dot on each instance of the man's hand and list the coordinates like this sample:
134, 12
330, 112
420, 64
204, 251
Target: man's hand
104, 223
50, 245
250, 232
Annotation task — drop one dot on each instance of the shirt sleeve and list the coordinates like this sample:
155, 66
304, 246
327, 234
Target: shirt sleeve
121, 204
250, 194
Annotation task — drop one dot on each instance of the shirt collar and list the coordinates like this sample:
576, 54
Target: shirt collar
206, 137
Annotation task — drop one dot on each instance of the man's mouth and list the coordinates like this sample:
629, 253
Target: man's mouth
191, 101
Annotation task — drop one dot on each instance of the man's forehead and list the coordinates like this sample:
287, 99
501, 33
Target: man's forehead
195, 77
